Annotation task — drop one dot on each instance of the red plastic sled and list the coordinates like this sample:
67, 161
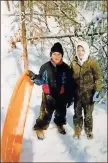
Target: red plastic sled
15, 119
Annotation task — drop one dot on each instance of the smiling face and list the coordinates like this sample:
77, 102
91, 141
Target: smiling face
56, 57
80, 52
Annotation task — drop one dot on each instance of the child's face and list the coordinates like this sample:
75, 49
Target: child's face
56, 57
80, 52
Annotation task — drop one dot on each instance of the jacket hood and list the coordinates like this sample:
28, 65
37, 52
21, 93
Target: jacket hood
86, 49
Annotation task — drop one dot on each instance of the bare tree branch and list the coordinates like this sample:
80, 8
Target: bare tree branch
45, 15
62, 36
27, 14
38, 27
79, 13
65, 13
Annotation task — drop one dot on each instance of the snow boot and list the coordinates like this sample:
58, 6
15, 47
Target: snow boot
89, 135
40, 134
77, 133
61, 129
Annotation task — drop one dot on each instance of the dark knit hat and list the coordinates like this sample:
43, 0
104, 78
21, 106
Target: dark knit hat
57, 47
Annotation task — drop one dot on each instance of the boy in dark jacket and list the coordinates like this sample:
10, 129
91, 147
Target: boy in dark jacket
56, 79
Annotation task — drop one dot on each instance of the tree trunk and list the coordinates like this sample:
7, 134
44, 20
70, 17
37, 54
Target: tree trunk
8, 5
23, 30
31, 16
105, 6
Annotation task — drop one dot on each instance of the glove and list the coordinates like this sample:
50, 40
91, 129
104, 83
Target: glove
31, 75
96, 97
69, 103
50, 100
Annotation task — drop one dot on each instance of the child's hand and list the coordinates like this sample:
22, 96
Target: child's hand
31, 75
50, 100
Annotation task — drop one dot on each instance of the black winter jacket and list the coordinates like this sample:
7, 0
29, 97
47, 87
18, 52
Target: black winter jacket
56, 80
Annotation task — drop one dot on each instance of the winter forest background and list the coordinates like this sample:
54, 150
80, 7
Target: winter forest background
45, 22
28, 31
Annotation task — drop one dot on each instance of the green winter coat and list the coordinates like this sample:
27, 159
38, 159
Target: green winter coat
88, 76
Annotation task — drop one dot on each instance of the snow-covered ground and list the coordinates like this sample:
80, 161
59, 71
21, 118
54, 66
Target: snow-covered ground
63, 148
55, 147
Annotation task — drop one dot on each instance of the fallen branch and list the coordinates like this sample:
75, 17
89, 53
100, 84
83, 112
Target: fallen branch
63, 36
